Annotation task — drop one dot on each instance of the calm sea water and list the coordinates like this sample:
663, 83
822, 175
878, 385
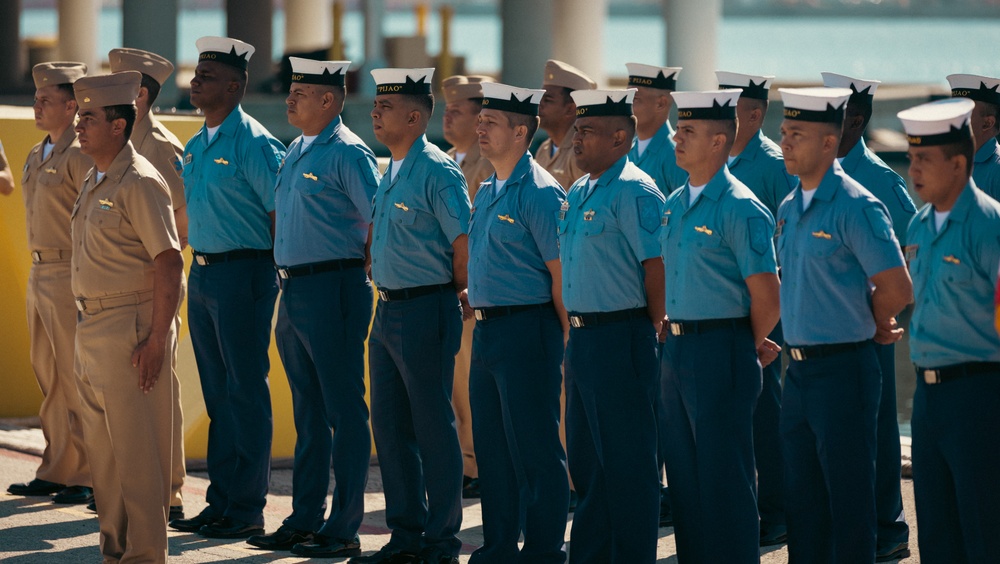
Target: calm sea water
898, 50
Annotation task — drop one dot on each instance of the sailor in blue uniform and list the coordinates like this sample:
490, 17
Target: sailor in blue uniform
755, 160
835, 244
864, 166
229, 171
653, 148
517, 351
985, 92
953, 254
419, 253
721, 303
613, 291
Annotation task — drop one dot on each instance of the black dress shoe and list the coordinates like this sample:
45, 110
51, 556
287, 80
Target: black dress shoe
193, 524
326, 547
92, 506
74, 495
666, 517
893, 552
35, 487
772, 535
434, 555
385, 555
470, 488
176, 512
283, 539
228, 528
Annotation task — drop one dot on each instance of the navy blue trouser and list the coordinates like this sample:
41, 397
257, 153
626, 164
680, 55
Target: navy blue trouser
611, 381
322, 324
411, 355
710, 383
230, 308
515, 383
892, 527
956, 453
767, 443
828, 410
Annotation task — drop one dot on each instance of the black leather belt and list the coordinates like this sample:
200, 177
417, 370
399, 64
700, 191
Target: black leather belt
605, 317
955, 371
484, 313
286, 272
678, 328
819, 351
205, 259
415, 292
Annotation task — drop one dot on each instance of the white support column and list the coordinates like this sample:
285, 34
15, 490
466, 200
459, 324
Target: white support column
692, 39
373, 11
78, 32
578, 36
250, 21
153, 26
526, 41
307, 25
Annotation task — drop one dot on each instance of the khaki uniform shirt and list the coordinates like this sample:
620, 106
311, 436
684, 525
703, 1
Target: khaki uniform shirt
563, 164
154, 141
475, 168
120, 224
50, 189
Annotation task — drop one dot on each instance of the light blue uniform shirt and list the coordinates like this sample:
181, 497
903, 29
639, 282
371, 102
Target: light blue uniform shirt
416, 219
604, 235
512, 235
954, 275
986, 168
659, 160
323, 198
229, 185
864, 166
827, 255
761, 167
710, 248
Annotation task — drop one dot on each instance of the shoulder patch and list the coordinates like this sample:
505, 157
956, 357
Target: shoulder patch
270, 158
449, 195
649, 212
364, 163
760, 234
879, 223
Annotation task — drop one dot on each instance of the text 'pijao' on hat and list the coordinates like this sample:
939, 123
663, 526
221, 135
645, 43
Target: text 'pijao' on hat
942, 122
975, 87
458, 87
104, 90
596, 103
58, 72
650, 76
506, 98
816, 104
558, 73
753, 85
403, 81
327, 73
862, 90
225, 50
125, 59
709, 104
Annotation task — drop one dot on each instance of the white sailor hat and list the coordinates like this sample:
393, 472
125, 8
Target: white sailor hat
506, 98
975, 87
402, 81
753, 86
942, 122
309, 71
225, 50
710, 104
817, 104
663, 78
594, 103
862, 90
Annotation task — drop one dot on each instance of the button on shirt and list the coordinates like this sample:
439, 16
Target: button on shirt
986, 168
229, 185
416, 218
659, 160
711, 247
605, 233
827, 255
870, 171
954, 272
51, 185
761, 168
323, 198
512, 234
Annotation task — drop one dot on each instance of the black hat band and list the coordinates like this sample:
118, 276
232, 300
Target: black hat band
755, 91
326, 79
661, 82
953, 136
513, 105
231, 58
829, 115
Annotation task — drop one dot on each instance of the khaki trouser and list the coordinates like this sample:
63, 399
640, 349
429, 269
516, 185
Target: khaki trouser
460, 400
129, 433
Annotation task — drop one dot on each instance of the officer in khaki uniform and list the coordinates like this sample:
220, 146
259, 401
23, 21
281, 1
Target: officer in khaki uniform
126, 281
163, 150
557, 112
463, 97
53, 174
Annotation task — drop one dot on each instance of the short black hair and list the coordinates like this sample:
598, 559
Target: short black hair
67, 89
859, 109
627, 123
424, 102
151, 86
529, 121
995, 110
966, 148
126, 112
567, 94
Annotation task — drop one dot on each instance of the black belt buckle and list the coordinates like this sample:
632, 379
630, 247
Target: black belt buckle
932, 377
